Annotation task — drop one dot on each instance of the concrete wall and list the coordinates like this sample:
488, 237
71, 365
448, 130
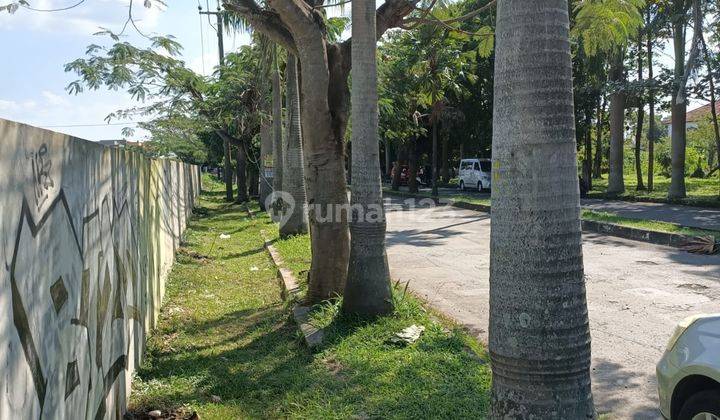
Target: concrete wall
88, 234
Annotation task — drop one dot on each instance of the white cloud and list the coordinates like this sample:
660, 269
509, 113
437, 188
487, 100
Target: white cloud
8, 105
53, 99
85, 19
206, 62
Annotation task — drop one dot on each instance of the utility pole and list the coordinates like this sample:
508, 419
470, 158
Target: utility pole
227, 172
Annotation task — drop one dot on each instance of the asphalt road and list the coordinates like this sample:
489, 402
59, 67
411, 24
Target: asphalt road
697, 217
637, 292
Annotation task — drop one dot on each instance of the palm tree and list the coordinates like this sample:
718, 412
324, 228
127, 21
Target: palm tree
227, 170
678, 108
277, 123
241, 170
367, 290
539, 333
265, 167
293, 181
616, 173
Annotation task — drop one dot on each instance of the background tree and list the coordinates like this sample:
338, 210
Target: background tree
606, 26
300, 27
294, 180
226, 103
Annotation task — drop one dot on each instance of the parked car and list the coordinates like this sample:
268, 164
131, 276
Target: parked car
474, 173
689, 372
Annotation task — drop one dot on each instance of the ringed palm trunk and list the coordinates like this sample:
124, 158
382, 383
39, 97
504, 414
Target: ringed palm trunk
639, 126
367, 290
293, 181
651, 105
678, 118
265, 166
587, 140
277, 126
227, 171
241, 158
597, 164
434, 151
539, 333
616, 180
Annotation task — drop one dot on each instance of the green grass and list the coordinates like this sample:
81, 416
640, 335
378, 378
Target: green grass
700, 191
652, 225
294, 251
225, 346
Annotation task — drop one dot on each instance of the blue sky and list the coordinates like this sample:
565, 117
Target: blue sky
36, 46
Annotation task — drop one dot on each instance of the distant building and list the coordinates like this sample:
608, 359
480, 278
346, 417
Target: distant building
693, 117
113, 143
122, 143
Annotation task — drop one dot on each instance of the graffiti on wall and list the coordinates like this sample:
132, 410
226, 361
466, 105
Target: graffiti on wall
79, 293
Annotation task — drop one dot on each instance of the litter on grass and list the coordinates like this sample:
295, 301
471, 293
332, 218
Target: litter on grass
408, 336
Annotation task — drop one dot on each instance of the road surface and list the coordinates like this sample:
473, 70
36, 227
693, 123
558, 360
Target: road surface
696, 217
637, 292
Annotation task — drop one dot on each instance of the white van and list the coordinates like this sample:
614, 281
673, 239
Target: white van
475, 173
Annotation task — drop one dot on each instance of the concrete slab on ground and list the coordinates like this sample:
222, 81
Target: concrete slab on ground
637, 292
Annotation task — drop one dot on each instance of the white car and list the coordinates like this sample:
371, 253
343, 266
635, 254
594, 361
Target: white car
689, 372
474, 174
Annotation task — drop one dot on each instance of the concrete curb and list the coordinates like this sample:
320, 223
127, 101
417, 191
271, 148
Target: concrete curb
650, 236
289, 290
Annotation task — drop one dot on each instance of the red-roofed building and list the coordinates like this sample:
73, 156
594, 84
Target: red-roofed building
693, 117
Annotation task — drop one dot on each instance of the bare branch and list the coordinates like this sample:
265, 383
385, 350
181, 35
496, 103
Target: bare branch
265, 21
391, 14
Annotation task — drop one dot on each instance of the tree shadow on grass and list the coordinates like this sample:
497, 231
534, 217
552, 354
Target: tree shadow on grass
253, 360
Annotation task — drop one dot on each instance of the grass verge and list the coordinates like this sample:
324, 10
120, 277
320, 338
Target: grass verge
653, 225
226, 348
703, 192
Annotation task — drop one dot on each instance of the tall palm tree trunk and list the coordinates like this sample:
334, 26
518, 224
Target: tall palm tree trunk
367, 290
597, 163
241, 169
265, 164
678, 112
587, 140
227, 171
445, 169
539, 333
651, 105
639, 127
293, 182
616, 176
434, 149
278, 163
713, 103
